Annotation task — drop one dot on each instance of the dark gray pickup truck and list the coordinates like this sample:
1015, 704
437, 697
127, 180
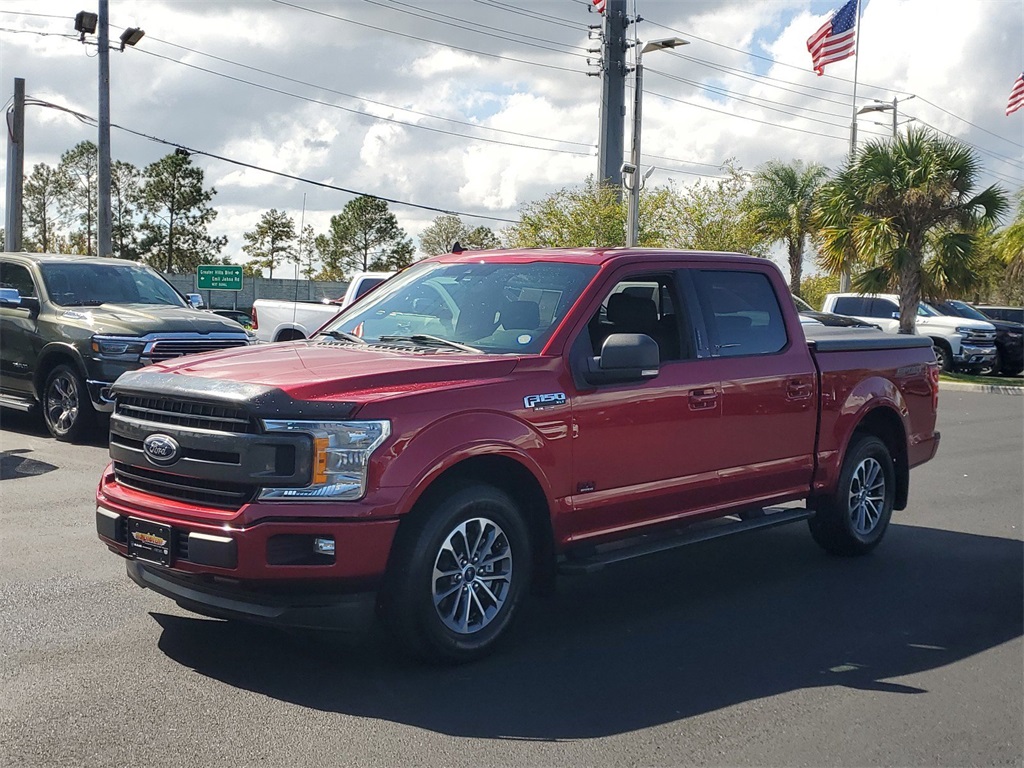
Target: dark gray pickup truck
70, 325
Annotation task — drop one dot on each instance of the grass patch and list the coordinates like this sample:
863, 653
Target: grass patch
995, 381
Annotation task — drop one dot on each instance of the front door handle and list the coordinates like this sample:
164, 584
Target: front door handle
702, 399
798, 389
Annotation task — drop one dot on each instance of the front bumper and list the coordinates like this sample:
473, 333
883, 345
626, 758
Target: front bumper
99, 393
349, 612
975, 355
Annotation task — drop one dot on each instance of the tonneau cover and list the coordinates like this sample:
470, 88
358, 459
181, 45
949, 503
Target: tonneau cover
832, 339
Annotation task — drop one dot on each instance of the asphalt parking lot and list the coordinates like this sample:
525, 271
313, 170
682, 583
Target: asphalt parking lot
747, 651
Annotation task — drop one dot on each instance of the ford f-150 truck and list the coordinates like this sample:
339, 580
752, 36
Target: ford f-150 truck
485, 421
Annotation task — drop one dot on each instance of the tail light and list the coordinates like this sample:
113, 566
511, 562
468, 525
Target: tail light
933, 376
255, 319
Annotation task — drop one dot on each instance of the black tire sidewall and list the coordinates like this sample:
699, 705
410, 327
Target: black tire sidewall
410, 608
84, 418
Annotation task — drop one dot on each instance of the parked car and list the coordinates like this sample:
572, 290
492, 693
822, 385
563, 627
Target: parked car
281, 320
1007, 314
72, 324
1009, 359
487, 420
241, 317
810, 314
959, 343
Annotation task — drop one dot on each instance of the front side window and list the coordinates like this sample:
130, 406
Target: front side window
490, 307
85, 284
742, 313
884, 308
16, 276
645, 304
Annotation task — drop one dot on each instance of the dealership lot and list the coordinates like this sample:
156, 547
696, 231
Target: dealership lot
749, 651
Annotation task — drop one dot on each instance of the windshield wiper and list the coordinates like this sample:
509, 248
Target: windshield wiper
431, 341
342, 336
86, 303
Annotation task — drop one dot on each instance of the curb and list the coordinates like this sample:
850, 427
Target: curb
993, 389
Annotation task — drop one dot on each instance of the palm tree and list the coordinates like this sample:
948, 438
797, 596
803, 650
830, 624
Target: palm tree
782, 202
900, 202
1010, 243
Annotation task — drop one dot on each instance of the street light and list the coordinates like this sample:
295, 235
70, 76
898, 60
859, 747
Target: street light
131, 36
884, 106
631, 169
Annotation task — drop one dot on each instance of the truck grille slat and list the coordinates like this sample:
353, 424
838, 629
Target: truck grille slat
213, 493
171, 348
185, 413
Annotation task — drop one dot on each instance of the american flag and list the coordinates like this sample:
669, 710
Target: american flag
836, 39
599, 5
1016, 96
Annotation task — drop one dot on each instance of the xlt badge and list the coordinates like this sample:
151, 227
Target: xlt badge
544, 401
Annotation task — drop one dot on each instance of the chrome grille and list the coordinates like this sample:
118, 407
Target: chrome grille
185, 413
168, 349
212, 493
984, 338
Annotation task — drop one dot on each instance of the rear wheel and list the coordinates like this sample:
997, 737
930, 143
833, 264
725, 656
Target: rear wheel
853, 520
458, 573
67, 409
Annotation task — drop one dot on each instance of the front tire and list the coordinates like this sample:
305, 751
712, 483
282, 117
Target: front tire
943, 355
853, 520
459, 571
67, 409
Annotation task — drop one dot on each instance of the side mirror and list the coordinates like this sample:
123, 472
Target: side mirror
895, 315
624, 357
195, 300
11, 299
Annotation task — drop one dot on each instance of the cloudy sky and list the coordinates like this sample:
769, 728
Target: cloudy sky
480, 106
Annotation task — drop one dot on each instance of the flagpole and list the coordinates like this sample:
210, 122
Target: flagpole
856, 64
845, 275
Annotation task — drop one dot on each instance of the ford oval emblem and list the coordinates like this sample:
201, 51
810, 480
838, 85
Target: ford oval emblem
161, 449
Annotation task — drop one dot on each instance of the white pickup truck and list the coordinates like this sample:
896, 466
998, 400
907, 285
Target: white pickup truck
960, 343
280, 320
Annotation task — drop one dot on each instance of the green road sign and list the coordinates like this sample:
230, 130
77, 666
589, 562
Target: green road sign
219, 277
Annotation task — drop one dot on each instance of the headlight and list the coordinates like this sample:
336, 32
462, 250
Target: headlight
966, 331
1013, 335
118, 347
341, 454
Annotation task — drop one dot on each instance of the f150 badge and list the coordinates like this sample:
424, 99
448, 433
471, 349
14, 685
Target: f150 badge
544, 401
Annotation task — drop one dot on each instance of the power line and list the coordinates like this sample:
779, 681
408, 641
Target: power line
425, 40
192, 151
357, 111
363, 98
520, 11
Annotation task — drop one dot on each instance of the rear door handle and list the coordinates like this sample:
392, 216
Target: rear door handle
701, 399
798, 390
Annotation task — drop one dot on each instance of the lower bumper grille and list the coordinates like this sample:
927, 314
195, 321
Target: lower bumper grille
211, 493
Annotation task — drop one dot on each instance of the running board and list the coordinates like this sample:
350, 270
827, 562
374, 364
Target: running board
19, 403
697, 533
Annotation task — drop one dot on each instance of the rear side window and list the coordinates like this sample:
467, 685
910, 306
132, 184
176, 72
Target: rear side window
742, 313
852, 305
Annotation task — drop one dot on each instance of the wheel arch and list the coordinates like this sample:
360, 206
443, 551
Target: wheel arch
514, 478
885, 423
52, 356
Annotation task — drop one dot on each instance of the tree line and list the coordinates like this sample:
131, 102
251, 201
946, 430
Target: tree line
905, 214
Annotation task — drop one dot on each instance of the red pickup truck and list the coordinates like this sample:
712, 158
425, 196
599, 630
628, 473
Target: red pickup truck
487, 420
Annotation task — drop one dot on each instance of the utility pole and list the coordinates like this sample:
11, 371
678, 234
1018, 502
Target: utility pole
15, 167
611, 143
104, 244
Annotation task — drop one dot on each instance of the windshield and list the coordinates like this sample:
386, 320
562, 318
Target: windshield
89, 284
966, 310
496, 308
927, 310
802, 306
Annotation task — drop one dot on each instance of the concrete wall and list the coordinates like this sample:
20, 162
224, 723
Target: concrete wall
260, 288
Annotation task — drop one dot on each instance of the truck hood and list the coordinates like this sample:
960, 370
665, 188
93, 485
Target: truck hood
141, 319
952, 323
310, 370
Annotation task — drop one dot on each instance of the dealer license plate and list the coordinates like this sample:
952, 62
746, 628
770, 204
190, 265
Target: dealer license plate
150, 541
